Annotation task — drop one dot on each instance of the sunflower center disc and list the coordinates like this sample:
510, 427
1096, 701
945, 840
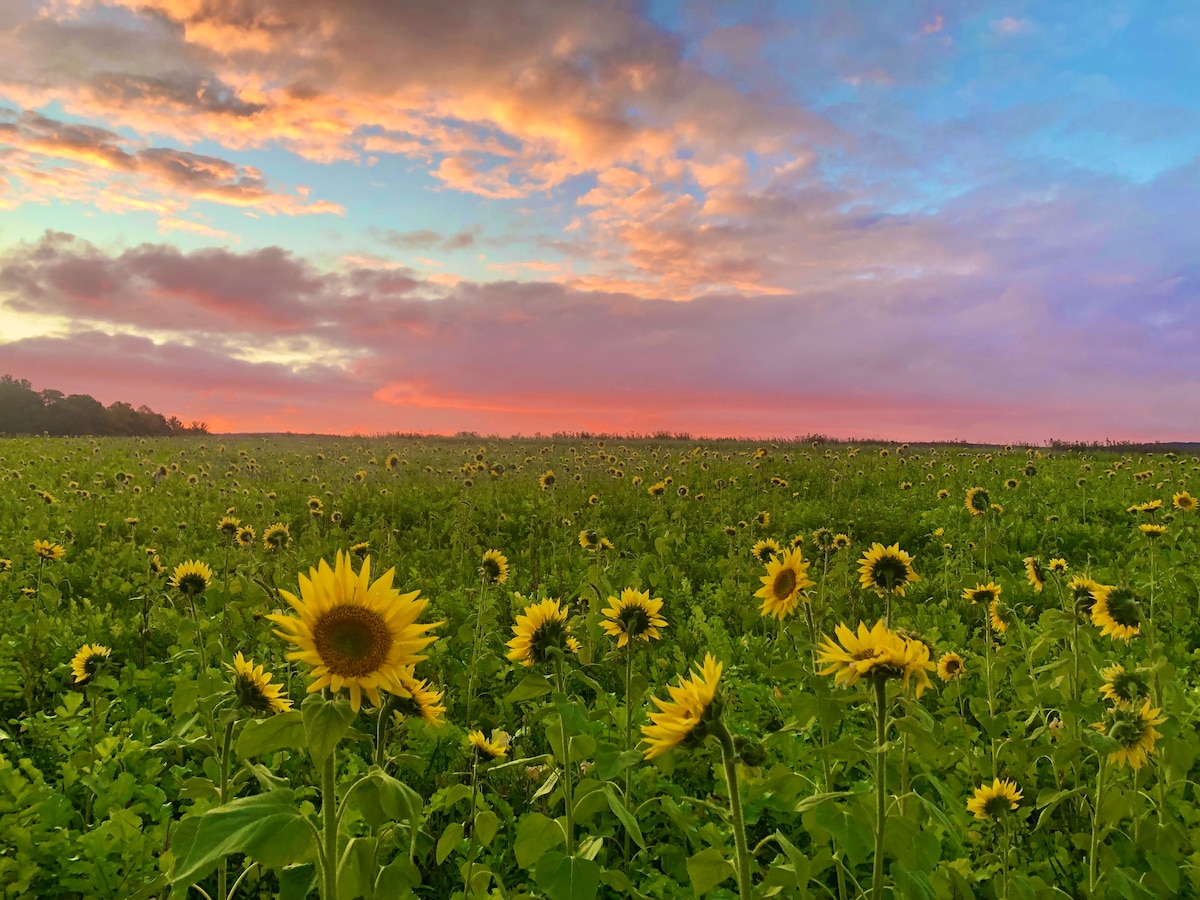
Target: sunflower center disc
785, 584
352, 640
634, 620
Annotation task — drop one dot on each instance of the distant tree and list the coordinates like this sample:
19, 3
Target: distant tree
26, 411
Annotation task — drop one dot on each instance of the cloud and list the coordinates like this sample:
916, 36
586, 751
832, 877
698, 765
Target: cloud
427, 239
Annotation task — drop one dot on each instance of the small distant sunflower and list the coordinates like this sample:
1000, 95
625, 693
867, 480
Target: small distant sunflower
589, 539
823, 539
886, 569
1184, 502
1152, 531
1122, 686
276, 537
245, 536
633, 616
1117, 612
786, 577
228, 526
191, 577
943, 493
540, 630
1001, 615
354, 634
950, 667
486, 750
416, 698
49, 550
316, 506
1058, 566
86, 663
1011, 484
763, 519
982, 593
254, 690
546, 480
978, 501
361, 549
1035, 573
1133, 728
1083, 592
5, 565
494, 567
131, 521
686, 717
797, 542
765, 549
840, 541
657, 489
1000, 798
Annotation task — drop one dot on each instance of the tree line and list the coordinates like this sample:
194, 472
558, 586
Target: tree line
26, 411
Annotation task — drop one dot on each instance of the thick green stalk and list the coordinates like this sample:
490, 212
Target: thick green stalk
628, 732
729, 758
474, 800
568, 799
330, 825
381, 732
475, 647
880, 685
226, 753
1094, 849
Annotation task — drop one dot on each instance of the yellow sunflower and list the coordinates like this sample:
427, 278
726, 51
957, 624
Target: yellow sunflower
1133, 728
982, 593
684, 719
191, 577
1152, 531
547, 479
494, 567
823, 539
765, 549
632, 616
1083, 592
1184, 502
1000, 615
657, 489
951, 667
786, 577
228, 526
991, 802
886, 569
353, 633
245, 536
589, 539
87, 661
978, 501
539, 631
254, 690
874, 652
1035, 573
1121, 686
841, 541
1117, 612
1058, 566
49, 550
417, 698
486, 750
276, 537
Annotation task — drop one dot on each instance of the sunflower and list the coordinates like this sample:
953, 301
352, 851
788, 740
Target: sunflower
1152, 531
685, 718
417, 698
1122, 686
765, 549
276, 537
539, 631
316, 506
88, 660
951, 667
228, 526
1058, 566
943, 493
763, 519
982, 593
254, 690
797, 542
494, 567
886, 569
978, 501
657, 489
823, 539
546, 480
1184, 502
353, 633
632, 616
589, 539
840, 541
191, 577
361, 549
1035, 573
392, 462
1011, 484
245, 536
1000, 615
487, 750
1083, 592
1116, 612
786, 577
1133, 728
877, 652
994, 801
5, 565
49, 550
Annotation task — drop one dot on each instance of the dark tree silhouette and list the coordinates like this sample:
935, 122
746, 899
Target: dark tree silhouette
26, 411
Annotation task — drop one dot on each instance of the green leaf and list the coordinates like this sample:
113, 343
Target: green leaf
707, 869
268, 828
284, 731
356, 870
297, 882
535, 835
449, 841
531, 687
565, 877
325, 723
617, 805
382, 799
487, 823
612, 761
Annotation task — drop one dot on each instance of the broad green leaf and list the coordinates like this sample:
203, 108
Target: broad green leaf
487, 823
617, 805
357, 869
565, 877
535, 835
531, 687
284, 731
707, 869
325, 723
449, 840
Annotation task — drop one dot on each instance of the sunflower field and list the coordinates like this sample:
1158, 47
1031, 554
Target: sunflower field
574, 669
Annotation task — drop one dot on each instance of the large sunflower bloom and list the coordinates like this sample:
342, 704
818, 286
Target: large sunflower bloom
991, 802
254, 689
877, 651
886, 570
1184, 502
85, 663
786, 577
632, 616
1133, 728
353, 633
540, 629
1116, 612
685, 717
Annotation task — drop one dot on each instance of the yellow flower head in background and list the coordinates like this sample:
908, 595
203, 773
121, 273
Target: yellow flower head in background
539, 631
191, 577
874, 652
1116, 612
786, 577
49, 550
951, 667
978, 501
1035, 573
494, 567
886, 570
1121, 686
633, 616
486, 750
1133, 728
254, 690
991, 802
765, 549
87, 661
416, 698
684, 719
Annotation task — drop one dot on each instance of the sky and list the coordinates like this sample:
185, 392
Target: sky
900, 220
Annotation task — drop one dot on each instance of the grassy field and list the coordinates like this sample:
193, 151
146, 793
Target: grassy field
873, 670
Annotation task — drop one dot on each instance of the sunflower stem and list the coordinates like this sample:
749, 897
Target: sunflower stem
1094, 849
226, 753
568, 800
471, 848
880, 685
330, 825
483, 580
729, 758
381, 732
628, 732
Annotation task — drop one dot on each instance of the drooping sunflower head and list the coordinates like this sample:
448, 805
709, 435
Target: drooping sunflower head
487, 750
5, 565
1001, 615
995, 800
950, 667
245, 536
786, 577
589, 539
540, 632
276, 537
886, 570
978, 501
415, 698
685, 719
1035, 573
943, 493
316, 506
1122, 686
633, 616
982, 593
1152, 530
765, 549
1058, 566
1083, 592
228, 526
361, 549
1117, 612
87, 662
392, 462
1184, 502
823, 539
191, 578
762, 519
49, 550
1132, 727
494, 567
353, 632
253, 689
797, 542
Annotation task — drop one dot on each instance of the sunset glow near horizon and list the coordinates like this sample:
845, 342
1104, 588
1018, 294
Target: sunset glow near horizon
905, 220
